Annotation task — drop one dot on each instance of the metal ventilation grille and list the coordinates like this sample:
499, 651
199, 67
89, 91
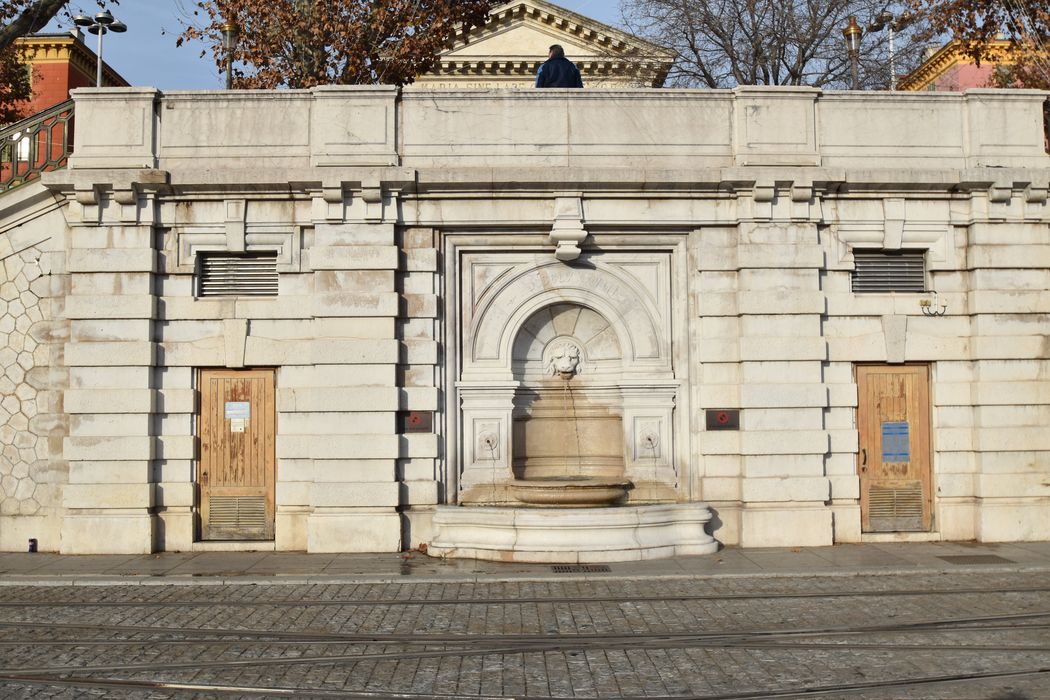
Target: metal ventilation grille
580, 569
237, 514
889, 271
895, 508
238, 275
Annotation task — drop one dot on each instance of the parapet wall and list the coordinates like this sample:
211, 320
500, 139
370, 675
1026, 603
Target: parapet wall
648, 129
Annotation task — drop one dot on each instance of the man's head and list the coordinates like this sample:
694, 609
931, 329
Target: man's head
556, 51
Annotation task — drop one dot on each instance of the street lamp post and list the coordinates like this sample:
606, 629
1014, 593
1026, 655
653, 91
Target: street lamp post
852, 34
100, 24
886, 20
230, 32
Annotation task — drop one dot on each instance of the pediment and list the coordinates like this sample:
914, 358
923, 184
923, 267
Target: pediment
536, 24
507, 51
521, 40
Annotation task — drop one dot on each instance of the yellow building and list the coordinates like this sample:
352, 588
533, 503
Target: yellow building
951, 69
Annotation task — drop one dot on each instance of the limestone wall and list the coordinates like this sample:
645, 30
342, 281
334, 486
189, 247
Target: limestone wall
758, 302
32, 425
370, 198
988, 353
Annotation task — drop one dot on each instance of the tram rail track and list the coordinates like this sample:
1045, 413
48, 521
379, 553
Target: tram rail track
485, 645
92, 655
918, 625
805, 691
386, 602
791, 644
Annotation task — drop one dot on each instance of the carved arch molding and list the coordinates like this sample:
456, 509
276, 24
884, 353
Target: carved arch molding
500, 292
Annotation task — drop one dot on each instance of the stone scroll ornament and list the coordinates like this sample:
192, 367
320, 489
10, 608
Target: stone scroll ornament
564, 360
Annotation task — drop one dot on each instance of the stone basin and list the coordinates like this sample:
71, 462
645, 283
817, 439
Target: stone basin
569, 491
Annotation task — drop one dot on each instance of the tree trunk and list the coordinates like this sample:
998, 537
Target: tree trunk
33, 19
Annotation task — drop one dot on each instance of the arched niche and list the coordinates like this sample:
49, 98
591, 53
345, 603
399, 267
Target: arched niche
567, 418
639, 323
562, 325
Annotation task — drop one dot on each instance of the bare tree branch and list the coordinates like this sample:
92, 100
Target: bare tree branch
722, 43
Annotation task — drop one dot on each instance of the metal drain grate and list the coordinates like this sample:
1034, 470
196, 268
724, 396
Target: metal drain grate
580, 569
975, 559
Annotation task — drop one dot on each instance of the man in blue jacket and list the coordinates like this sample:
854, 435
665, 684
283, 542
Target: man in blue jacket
558, 71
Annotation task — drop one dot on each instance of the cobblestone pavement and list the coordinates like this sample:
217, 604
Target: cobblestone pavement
951, 635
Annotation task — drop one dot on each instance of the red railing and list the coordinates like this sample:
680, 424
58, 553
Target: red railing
35, 145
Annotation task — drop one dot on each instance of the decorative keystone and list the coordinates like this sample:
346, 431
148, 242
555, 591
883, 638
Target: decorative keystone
893, 211
568, 231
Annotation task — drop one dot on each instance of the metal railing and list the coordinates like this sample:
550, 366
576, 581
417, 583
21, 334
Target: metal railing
35, 145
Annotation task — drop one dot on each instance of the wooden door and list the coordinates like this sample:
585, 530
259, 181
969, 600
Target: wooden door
238, 434
895, 457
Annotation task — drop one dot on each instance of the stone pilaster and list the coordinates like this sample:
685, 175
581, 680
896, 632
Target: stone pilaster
1009, 264
345, 419
715, 331
418, 329
109, 500
762, 351
783, 397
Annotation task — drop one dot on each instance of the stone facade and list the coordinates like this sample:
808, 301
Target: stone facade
32, 424
417, 232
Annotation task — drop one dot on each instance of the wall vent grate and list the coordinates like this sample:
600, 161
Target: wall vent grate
895, 508
580, 569
238, 274
882, 271
237, 513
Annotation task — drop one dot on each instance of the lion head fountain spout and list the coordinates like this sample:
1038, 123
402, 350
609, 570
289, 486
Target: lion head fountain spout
564, 361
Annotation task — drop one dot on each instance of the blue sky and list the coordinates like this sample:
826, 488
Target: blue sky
146, 54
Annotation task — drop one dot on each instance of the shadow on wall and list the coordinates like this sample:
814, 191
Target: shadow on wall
714, 525
1046, 126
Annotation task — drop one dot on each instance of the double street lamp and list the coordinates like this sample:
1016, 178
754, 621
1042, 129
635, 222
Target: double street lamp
100, 24
886, 20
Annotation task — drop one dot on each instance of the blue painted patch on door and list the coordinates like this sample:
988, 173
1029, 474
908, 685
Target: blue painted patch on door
895, 442
238, 410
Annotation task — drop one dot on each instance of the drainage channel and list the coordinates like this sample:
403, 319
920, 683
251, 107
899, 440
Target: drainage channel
580, 569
